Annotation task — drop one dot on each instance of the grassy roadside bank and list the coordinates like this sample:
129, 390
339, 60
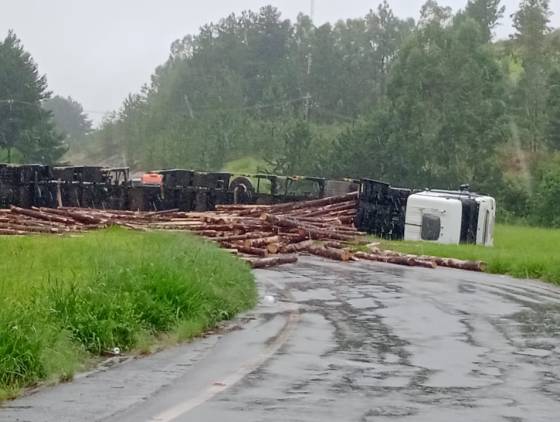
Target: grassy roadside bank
65, 300
523, 252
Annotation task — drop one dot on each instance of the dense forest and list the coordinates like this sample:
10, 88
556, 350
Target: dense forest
436, 102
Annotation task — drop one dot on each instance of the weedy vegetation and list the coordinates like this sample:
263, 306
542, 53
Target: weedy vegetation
66, 300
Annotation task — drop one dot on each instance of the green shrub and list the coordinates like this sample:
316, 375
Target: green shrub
546, 200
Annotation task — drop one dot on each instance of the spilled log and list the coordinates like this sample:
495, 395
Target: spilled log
330, 253
398, 260
272, 262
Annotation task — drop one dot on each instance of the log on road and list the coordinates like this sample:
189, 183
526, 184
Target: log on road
478, 266
272, 262
398, 260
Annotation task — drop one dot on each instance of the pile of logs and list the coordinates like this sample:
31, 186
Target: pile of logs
23, 221
262, 235
269, 235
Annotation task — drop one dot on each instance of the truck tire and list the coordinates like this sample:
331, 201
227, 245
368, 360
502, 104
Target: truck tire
242, 190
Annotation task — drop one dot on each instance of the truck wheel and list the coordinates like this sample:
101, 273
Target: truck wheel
242, 189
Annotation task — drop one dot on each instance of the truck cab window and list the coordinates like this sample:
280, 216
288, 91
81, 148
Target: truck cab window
431, 227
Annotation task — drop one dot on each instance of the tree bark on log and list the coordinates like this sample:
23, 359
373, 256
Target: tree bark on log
285, 222
398, 260
31, 229
271, 262
336, 254
10, 232
248, 250
314, 203
296, 247
478, 266
235, 238
313, 232
322, 211
82, 218
42, 216
347, 219
318, 234
240, 207
262, 242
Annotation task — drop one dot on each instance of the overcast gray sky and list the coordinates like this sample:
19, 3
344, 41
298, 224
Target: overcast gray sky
98, 51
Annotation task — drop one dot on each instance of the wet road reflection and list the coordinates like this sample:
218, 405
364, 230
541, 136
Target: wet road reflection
396, 344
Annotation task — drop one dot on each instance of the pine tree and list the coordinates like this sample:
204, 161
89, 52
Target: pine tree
24, 125
486, 13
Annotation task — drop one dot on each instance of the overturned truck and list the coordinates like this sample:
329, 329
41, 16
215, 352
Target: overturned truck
442, 216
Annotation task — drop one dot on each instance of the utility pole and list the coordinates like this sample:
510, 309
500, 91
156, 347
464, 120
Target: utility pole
309, 64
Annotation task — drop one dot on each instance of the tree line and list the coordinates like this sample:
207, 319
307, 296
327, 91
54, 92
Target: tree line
34, 126
430, 103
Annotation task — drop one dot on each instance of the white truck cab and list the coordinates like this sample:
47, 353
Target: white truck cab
450, 217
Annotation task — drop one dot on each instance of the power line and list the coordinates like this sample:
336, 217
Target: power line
309, 63
212, 110
97, 112
323, 110
12, 101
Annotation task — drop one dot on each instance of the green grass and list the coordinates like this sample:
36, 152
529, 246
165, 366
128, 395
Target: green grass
523, 252
250, 165
65, 300
246, 165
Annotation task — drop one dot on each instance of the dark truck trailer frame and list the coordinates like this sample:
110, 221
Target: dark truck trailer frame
382, 209
263, 189
79, 186
25, 186
186, 190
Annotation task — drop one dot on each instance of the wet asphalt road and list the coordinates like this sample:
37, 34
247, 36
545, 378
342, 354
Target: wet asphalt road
360, 342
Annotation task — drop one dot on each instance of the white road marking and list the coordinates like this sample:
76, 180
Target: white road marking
221, 386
